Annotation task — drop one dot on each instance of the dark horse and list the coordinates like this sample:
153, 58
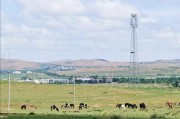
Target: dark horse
54, 107
169, 103
80, 107
23, 107
65, 106
142, 106
81, 104
134, 106
118, 105
85, 106
71, 105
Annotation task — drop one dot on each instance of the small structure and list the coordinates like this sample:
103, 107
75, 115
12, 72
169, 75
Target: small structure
29, 72
51, 81
16, 72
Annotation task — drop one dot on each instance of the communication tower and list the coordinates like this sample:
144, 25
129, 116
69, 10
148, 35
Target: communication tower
133, 64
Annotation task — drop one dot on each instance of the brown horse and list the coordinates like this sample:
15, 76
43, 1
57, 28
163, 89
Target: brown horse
23, 107
169, 103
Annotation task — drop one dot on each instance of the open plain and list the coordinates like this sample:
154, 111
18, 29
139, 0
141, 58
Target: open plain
100, 98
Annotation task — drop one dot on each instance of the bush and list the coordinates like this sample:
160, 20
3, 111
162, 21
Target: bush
31, 113
115, 117
155, 116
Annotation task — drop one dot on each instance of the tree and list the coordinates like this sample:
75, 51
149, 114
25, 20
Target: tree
115, 79
94, 77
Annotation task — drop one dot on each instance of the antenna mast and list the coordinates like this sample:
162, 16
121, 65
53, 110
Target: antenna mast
133, 65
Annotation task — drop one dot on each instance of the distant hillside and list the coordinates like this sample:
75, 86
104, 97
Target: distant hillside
163, 64
88, 62
159, 67
14, 64
102, 67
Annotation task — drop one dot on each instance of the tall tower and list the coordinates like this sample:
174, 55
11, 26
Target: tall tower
133, 64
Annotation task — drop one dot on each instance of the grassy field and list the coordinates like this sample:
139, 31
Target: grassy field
101, 98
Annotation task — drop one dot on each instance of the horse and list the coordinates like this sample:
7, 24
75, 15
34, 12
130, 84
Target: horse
123, 106
54, 107
126, 104
130, 106
169, 103
82, 104
85, 106
142, 106
118, 105
23, 107
80, 107
71, 105
65, 105
134, 106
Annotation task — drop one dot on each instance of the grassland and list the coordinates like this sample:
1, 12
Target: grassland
101, 99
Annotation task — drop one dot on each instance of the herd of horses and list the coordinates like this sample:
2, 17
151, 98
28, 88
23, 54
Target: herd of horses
142, 106
129, 105
54, 107
66, 105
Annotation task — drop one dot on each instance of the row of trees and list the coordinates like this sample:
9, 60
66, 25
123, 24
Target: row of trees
175, 81
143, 80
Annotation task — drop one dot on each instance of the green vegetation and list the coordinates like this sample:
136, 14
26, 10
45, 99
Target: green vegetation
101, 99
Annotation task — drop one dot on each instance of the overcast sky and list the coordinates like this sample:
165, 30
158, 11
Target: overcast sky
48, 30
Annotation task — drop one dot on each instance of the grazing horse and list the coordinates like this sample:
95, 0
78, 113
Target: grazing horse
23, 107
80, 107
130, 106
126, 104
65, 105
82, 104
134, 106
169, 103
123, 106
85, 106
54, 107
118, 105
142, 106
71, 105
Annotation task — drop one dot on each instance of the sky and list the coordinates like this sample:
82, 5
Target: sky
51, 30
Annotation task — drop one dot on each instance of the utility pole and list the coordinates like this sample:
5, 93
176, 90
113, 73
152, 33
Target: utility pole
9, 95
74, 88
112, 73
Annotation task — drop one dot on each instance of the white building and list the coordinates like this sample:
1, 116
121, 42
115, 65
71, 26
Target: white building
29, 72
16, 72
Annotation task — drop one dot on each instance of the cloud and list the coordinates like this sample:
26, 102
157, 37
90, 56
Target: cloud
167, 34
96, 28
112, 9
53, 7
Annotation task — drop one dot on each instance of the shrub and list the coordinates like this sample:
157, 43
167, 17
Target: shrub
31, 113
155, 116
115, 117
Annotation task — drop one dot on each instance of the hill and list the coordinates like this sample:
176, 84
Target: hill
96, 67
88, 63
15, 64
